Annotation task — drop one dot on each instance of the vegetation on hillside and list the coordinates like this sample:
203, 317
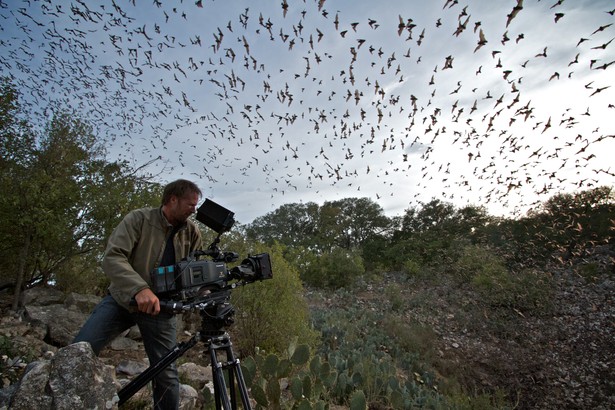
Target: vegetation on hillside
495, 271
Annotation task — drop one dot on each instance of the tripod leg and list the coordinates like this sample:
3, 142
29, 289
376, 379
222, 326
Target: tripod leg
220, 393
231, 388
221, 390
241, 383
142, 379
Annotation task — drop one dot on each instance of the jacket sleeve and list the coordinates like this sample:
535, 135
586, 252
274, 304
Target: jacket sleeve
116, 262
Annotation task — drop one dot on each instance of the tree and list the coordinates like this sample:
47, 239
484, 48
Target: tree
351, 221
291, 224
61, 198
336, 269
16, 138
432, 216
578, 221
434, 234
344, 223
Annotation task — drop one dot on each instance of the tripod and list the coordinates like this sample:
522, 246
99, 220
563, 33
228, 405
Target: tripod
216, 313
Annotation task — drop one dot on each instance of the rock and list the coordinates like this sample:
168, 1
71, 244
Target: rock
62, 324
188, 398
130, 367
608, 285
197, 375
6, 394
134, 333
25, 336
81, 303
79, 380
42, 296
31, 392
123, 343
73, 379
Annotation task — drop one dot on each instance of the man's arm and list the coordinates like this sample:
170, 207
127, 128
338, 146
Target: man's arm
116, 264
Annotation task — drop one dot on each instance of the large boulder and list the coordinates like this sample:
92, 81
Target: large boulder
81, 303
42, 296
62, 324
198, 376
73, 379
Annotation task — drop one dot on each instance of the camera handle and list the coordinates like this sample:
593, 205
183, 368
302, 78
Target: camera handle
213, 250
215, 253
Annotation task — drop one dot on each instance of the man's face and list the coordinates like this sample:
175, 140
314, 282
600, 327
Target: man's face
180, 209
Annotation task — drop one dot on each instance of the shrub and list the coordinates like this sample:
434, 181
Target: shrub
486, 272
82, 276
13, 358
272, 313
392, 292
590, 271
412, 267
411, 337
336, 269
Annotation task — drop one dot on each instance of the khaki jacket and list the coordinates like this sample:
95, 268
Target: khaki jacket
136, 247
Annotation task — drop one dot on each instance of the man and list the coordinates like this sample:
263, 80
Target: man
145, 239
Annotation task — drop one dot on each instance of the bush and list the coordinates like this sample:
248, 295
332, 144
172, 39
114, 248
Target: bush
488, 275
412, 267
82, 275
412, 337
392, 293
337, 269
272, 313
13, 359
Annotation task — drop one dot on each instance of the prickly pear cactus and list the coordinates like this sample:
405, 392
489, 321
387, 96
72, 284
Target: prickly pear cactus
358, 400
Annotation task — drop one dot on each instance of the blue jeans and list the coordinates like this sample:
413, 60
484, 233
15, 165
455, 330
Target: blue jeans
109, 319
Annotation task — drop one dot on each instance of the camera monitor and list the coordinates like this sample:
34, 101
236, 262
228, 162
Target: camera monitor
215, 216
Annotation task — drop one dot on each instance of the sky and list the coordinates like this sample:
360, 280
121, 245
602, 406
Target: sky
501, 104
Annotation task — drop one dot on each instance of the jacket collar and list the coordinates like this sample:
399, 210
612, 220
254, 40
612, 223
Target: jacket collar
167, 225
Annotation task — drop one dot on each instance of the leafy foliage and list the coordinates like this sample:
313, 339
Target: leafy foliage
273, 313
13, 358
336, 269
488, 274
290, 224
61, 198
345, 223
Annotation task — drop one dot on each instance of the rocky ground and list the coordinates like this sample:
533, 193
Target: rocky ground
563, 357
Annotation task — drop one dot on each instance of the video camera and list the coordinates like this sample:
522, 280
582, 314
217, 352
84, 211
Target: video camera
193, 280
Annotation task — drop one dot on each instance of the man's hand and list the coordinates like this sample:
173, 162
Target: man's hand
147, 302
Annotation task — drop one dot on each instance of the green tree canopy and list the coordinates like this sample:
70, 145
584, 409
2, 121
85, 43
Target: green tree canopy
351, 221
344, 223
291, 224
61, 198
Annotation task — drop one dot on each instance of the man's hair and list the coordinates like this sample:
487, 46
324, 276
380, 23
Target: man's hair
180, 189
